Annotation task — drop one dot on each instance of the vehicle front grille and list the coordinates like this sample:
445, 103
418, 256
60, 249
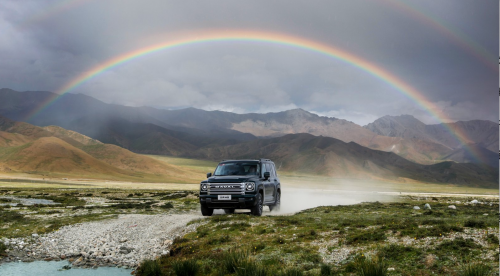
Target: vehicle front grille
226, 189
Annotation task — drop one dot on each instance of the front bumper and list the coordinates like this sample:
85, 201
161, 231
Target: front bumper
237, 202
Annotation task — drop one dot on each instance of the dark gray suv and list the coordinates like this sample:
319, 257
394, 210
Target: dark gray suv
241, 184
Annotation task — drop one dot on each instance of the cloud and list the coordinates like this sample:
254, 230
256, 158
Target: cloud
42, 50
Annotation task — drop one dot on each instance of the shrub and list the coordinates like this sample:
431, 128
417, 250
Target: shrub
186, 267
371, 267
149, 268
476, 269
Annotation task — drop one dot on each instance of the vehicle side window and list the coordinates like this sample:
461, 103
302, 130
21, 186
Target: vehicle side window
264, 169
275, 173
270, 170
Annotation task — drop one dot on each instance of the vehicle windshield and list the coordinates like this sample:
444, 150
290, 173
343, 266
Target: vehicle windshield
237, 168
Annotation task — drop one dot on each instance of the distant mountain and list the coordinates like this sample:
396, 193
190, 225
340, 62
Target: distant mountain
54, 151
328, 156
481, 135
484, 133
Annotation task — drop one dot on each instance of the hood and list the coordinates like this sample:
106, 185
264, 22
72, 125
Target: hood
232, 179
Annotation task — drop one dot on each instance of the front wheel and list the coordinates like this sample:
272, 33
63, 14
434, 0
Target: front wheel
257, 209
277, 205
206, 211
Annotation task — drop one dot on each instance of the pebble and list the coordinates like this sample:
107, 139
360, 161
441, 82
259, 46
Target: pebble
104, 243
452, 207
427, 206
416, 208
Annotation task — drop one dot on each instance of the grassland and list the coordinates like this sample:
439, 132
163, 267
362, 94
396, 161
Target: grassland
325, 240
80, 205
338, 240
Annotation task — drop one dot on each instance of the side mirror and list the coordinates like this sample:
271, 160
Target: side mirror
267, 175
209, 174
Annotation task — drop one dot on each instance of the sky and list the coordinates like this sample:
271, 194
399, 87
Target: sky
444, 50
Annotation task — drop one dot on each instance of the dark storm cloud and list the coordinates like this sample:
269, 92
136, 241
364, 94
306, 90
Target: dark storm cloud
44, 50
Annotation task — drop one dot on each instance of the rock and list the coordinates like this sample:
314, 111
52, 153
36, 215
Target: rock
474, 201
452, 207
34, 235
416, 208
485, 214
391, 269
427, 206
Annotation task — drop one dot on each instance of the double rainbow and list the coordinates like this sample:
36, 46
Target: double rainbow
266, 38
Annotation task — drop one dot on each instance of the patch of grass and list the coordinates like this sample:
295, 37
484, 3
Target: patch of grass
492, 238
249, 267
365, 236
167, 205
3, 247
186, 267
400, 253
150, 268
291, 272
475, 223
232, 260
458, 246
476, 269
371, 267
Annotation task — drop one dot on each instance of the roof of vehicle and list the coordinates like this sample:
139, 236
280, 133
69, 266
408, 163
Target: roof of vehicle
246, 160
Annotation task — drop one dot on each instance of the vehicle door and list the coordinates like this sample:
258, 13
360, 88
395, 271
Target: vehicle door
269, 183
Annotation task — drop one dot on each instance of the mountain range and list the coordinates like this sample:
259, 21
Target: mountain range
331, 146
180, 132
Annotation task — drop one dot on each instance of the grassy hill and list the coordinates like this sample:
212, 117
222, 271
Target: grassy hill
54, 152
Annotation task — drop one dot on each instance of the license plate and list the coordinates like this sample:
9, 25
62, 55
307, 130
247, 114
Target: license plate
224, 197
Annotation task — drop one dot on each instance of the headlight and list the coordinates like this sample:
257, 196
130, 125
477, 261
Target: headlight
203, 187
250, 186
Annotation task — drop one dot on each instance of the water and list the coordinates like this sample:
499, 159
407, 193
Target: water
27, 201
41, 268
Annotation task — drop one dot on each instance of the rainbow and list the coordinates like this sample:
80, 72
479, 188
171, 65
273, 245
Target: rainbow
459, 37
269, 38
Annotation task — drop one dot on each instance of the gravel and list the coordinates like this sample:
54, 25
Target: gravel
124, 241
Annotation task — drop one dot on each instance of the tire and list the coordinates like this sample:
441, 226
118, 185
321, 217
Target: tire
277, 205
205, 211
257, 209
229, 211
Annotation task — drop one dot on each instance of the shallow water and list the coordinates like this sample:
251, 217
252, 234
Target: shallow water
27, 201
41, 268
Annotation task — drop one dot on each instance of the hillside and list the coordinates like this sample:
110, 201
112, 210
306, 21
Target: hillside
54, 150
328, 156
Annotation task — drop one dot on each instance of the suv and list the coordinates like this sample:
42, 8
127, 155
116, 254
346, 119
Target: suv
241, 184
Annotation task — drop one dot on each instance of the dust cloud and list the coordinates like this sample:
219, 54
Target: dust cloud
300, 194
295, 199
